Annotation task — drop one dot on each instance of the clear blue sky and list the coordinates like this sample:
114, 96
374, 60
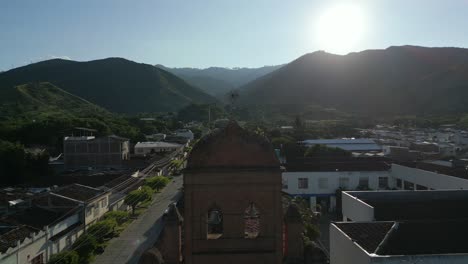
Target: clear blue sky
202, 33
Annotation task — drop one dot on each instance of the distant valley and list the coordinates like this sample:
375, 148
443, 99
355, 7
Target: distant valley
218, 81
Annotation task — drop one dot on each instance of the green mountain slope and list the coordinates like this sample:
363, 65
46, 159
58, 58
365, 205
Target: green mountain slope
41, 113
397, 80
116, 84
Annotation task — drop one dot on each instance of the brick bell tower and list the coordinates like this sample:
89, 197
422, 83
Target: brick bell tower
233, 207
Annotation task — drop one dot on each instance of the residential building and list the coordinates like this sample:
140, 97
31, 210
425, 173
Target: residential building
34, 234
94, 201
84, 152
146, 148
155, 137
319, 180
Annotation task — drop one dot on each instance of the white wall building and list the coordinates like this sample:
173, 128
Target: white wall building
146, 148
184, 133
320, 186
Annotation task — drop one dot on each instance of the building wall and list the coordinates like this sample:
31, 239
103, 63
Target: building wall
344, 251
431, 259
427, 178
96, 209
232, 192
332, 179
355, 209
96, 153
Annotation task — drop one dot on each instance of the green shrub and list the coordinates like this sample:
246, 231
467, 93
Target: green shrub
119, 216
85, 246
157, 183
138, 196
103, 229
65, 257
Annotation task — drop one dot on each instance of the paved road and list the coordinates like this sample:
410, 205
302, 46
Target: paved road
142, 233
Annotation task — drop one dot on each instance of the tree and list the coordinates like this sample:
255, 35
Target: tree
65, 257
157, 183
103, 229
138, 196
119, 216
85, 245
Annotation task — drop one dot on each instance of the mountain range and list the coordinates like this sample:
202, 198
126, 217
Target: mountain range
117, 84
396, 80
218, 81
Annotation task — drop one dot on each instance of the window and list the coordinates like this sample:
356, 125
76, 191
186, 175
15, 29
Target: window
68, 241
409, 186
251, 222
323, 183
285, 183
421, 187
399, 183
364, 182
88, 211
344, 183
383, 182
39, 259
214, 223
303, 183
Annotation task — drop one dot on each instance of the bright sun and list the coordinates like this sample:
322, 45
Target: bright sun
340, 28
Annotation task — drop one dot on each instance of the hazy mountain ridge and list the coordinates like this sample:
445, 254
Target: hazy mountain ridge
397, 80
218, 81
116, 84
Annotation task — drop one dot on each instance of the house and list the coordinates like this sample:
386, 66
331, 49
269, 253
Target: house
349, 144
36, 233
94, 201
84, 152
319, 180
155, 137
146, 148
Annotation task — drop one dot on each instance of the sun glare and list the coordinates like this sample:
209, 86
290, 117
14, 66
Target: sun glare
340, 28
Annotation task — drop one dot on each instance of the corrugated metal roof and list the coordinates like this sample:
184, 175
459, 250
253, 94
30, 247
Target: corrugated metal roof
339, 141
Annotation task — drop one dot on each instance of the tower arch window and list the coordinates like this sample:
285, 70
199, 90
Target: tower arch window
251, 221
214, 223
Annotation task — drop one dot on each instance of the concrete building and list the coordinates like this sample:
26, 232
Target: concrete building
365, 206
94, 201
349, 144
319, 181
423, 176
401, 227
184, 133
84, 152
394, 242
146, 148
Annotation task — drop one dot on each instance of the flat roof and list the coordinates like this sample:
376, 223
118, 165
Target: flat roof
351, 164
415, 205
396, 238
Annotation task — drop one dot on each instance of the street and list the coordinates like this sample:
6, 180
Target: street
143, 232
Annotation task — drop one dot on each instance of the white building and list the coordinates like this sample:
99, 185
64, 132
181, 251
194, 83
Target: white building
52, 224
394, 242
319, 182
145, 148
184, 133
401, 227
